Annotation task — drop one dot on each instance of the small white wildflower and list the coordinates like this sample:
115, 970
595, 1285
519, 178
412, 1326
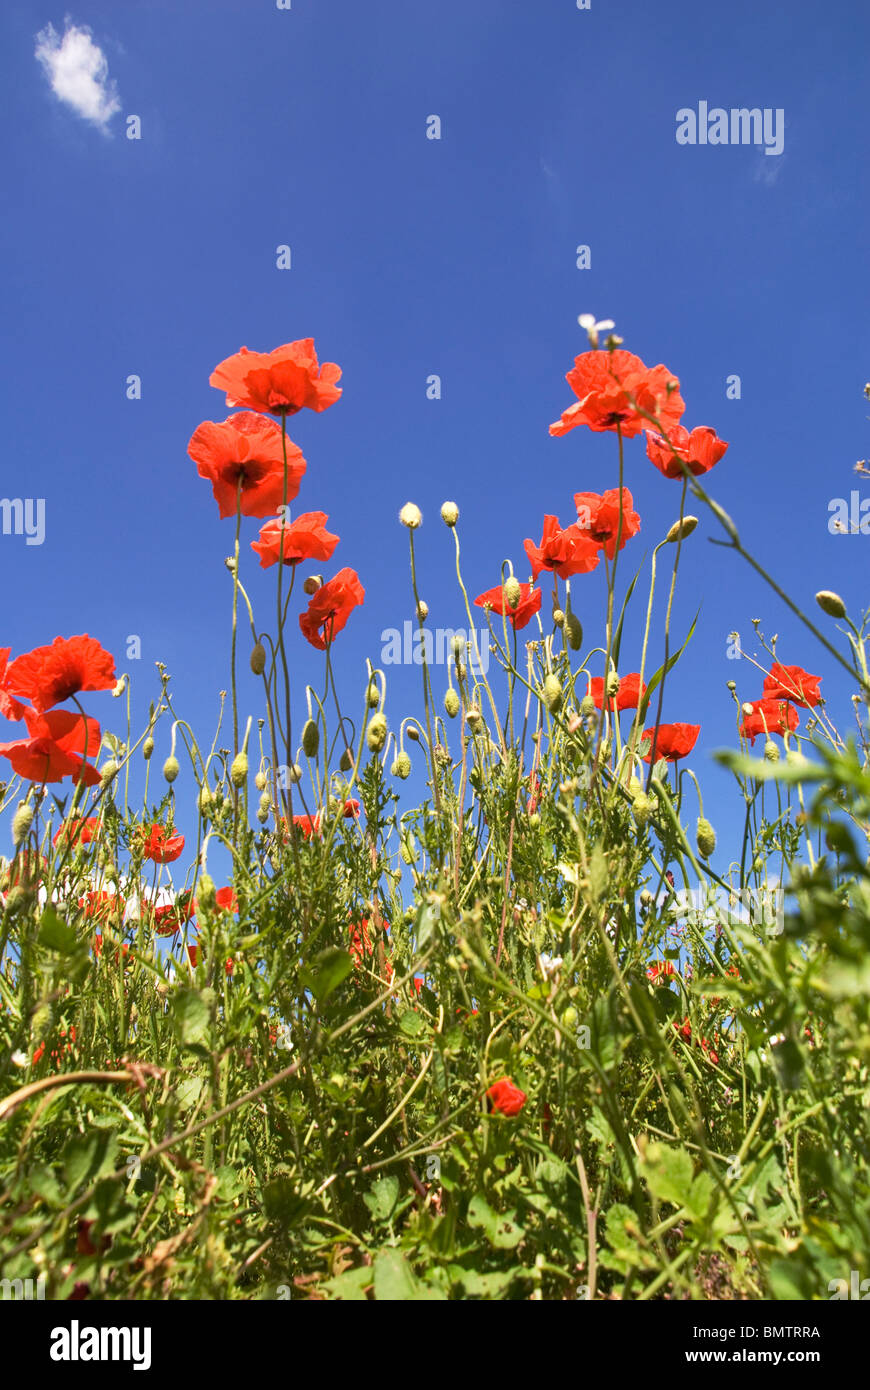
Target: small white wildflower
587, 322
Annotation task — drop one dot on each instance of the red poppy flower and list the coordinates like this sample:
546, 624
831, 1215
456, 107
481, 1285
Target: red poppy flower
792, 683
598, 517
160, 844
609, 387
279, 382
309, 825
84, 1244
306, 538
701, 450
246, 449
629, 695
684, 1029
674, 741
49, 675
529, 604
506, 1098
169, 918
102, 906
768, 716
9, 708
564, 552
351, 809
331, 607
361, 940
227, 900
660, 972
192, 953
46, 759
27, 870
77, 831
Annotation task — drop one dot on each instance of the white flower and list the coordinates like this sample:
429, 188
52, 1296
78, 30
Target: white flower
550, 965
19, 1059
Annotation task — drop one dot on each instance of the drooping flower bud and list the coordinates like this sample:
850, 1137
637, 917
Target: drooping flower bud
171, 768
473, 718
573, 631
450, 513
312, 584
552, 693
705, 837
771, 752
642, 809
411, 516
831, 603
587, 706
21, 823
558, 617
147, 748
260, 781
206, 893
512, 591
451, 703
373, 695
401, 766
108, 771
376, 733
258, 658
612, 684
239, 769
310, 739
422, 610
413, 733
681, 529
345, 762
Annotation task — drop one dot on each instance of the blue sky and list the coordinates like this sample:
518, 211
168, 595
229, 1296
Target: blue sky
412, 257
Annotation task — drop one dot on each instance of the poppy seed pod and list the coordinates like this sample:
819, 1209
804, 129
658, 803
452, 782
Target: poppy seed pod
705, 837
831, 603
402, 766
411, 516
21, 823
573, 631
681, 529
171, 768
449, 513
587, 706
451, 703
239, 770
552, 693
310, 739
376, 733
512, 592
147, 748
258, 658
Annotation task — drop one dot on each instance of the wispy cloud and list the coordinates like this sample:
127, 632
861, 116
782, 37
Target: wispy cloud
78, 73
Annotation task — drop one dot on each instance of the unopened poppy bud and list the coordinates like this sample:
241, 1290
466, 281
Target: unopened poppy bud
345, 762
108, 771
422, 610
206, 893
451, 703
646, 898
587, 706
310, 739
171, 768
642, 809
473, 718
681, 529
512, 591
265, 801
120, 688
569, 1017
373, 695
449, 513
705, 838
771, 752
21, 823
458, 645
558, 617
605, 749
612, 684
411, 516
258, 658
205, 799
553, 693
831, 603
413, 733
402, 766
312, 584
635, 787
534, 820
260, 781
573, 631
294, 773
262, 813
732, 686
230, 564
239, 770
376, 733
147, 748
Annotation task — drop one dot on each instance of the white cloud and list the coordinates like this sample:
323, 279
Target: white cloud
78, 73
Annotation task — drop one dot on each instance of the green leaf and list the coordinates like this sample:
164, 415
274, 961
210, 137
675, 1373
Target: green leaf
191, 1010
500, 1229
86, 1156
395, 1280
381, 1199
54, 933
412, 1024
350, 1286
326, 972
668, 1172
